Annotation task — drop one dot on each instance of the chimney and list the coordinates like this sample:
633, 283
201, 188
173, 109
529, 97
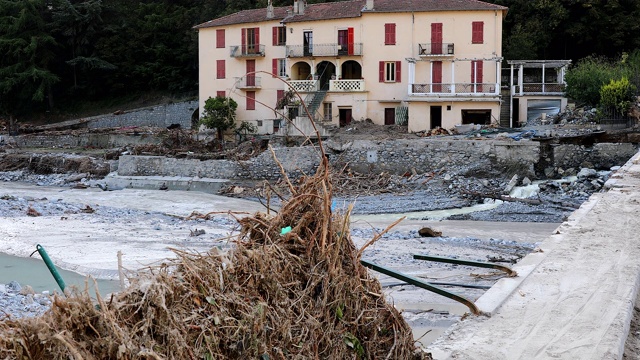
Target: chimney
369, 5
299, 6
270, 10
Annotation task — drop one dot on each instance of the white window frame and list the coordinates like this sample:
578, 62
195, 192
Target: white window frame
282, 67
390, 71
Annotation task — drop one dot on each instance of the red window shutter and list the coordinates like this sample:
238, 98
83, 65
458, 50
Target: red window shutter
274, 67
279, 95
389, 34
243, 41
477, 36
381, 71
220, 71
251, 100
257, 42
398, 71
436, 38
350, 41
476, 71
437, 72
274, 35
220, 38
221, 94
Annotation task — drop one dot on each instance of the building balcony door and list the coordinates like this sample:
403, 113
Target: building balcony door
307, 43
251, 76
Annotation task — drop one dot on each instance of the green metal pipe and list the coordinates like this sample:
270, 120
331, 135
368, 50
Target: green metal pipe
509, 272
52, 268
419, 283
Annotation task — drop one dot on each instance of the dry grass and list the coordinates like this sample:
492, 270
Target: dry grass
298, 295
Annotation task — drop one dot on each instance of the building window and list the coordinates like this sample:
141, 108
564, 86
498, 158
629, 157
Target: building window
220, 38
220, 69
251, 100
221, 94
390, 71
477, 32
389, 34
279, 67
259, 123
279, 35
328, 111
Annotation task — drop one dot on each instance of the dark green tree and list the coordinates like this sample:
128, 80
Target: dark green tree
220, 114
27, 49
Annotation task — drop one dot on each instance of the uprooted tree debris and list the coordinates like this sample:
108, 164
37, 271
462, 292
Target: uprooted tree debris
292, 287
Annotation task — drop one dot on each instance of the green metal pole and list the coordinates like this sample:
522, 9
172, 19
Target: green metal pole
509, 272
419, 283
52, 268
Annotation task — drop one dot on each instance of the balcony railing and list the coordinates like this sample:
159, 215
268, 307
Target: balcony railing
249, 82
539, 88
346, 85
354, 49
255, 50
436, 49
455, 89
304, 85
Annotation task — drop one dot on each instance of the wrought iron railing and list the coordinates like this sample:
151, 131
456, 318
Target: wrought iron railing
255, 50
433, 49
354, 49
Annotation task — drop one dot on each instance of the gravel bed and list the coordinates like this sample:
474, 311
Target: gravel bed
17, 301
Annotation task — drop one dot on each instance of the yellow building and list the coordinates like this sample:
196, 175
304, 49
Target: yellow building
425, 63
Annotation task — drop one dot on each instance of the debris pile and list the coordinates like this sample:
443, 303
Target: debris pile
292, 287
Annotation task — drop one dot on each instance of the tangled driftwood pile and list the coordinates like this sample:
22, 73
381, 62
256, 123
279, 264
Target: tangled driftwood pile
291, 288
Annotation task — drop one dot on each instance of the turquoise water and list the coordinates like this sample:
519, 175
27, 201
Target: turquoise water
34, 272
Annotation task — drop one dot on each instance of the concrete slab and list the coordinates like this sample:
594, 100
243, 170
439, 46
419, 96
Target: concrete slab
211, 186
577, 302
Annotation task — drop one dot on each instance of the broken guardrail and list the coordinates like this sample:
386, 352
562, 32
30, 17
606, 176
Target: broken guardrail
509, 272
421, 284
52, 268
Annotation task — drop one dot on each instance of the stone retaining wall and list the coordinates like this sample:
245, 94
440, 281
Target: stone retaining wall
154, 116
99, 141
395, 156
601, 156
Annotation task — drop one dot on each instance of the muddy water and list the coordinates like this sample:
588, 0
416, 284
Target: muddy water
34, 272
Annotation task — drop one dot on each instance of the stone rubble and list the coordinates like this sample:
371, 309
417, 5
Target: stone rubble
17, 301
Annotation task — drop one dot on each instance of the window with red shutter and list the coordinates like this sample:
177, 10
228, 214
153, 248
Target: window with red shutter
221, 94
477, 32
220, 38
389, 34
251, 100
279, 95
390, 71
381, 71
220, 69
398, 77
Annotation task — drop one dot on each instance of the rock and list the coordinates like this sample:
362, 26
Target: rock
549, 172
27, 290
512, 183
429, 232
615, 168
3, 289
77, 177
587, 173
526, 181
14, 286
447, 177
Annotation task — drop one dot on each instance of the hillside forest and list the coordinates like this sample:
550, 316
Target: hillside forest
62, 57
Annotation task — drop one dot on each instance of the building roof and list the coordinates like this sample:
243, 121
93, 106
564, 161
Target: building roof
350, 9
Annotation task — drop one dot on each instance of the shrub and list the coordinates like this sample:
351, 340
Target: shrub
586, 78
618, 94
